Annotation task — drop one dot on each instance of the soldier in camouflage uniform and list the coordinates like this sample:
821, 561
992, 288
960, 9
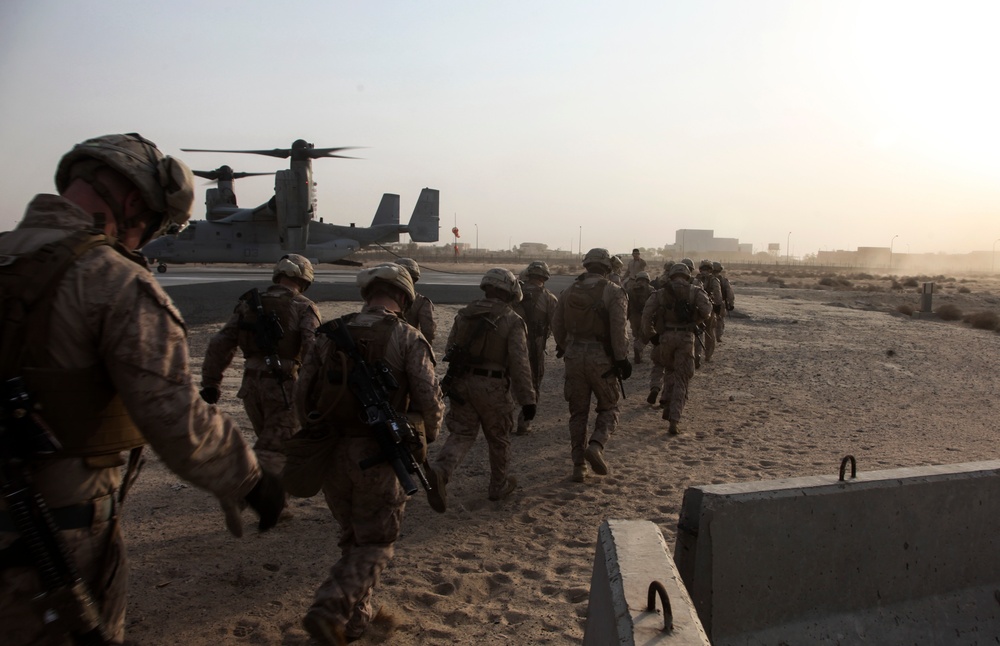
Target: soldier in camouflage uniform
591, 329
537, 307
266, 391
421, 314
638, 293
615, 275
668, 321
488, 357
728, 297
367, 503
105, 354
708, 281
663, 278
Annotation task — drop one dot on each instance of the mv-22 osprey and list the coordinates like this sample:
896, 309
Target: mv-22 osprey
285, 223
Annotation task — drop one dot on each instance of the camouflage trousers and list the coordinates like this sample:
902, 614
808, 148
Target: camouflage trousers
368, 505
272, 422
720, 323
536, 358
708, 338
586, 365
98, 552
637, 343
675, 358
488, 405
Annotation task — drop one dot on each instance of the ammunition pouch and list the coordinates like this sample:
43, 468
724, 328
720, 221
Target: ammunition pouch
84, 412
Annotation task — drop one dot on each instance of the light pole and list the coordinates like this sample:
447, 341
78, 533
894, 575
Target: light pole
890, 250
994, 262
788, 248
477, 239
579, 245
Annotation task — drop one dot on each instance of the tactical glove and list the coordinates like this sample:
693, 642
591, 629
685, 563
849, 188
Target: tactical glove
716, 308
624, 368
267, 498
210, 394
560, 352
730, 308
528, 412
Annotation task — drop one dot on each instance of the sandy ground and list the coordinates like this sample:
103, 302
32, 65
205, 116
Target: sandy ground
804, 376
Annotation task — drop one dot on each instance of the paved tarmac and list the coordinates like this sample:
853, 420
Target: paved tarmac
209, 294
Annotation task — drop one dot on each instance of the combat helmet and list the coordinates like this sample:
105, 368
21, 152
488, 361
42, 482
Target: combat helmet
598, 256
295, 266
642, 275
387, 274
503, 280
410, 265
705, 264
680, 269
689, 263
717, 267
537, 268
165, 183
616, 262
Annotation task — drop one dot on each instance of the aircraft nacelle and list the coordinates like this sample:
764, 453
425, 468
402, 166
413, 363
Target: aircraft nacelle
293, 209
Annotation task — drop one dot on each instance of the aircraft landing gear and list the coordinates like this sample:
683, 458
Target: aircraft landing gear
161, 268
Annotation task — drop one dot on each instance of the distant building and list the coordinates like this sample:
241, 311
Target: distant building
533, 248
694, 242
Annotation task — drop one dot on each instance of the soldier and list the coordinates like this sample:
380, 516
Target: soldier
366, 502
104, 353
421, 314
728, 297
488, 356
633, 268
708, 281
638, 293
668, 321
269, 373
616, 268
590, 329
660, 281
537, 307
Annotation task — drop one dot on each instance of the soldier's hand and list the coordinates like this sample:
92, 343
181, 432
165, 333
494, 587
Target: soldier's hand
267, 498
210, 394
730, 308
624, 368
528, 412
560, 352
716, 308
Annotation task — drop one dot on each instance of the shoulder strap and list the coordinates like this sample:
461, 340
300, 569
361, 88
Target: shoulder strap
27, 284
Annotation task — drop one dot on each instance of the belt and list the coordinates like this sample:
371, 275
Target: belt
72, 517
483, 372
678, 328
587, 344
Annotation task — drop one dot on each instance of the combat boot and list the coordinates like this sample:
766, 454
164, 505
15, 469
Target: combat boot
323, 631
579, 472
506, 490
437, 494
674, 429
653, 392
595, 456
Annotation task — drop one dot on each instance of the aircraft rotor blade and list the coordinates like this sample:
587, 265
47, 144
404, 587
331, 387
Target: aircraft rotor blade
224, 172
281, 153
316, 153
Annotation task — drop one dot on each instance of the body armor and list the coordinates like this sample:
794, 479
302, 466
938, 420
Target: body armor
583, 311
476, 331
279, 302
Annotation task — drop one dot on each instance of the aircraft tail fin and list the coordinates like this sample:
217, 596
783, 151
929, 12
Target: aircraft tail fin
424, 223
388, 210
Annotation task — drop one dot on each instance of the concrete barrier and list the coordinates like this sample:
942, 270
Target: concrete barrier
901, 556
630, 555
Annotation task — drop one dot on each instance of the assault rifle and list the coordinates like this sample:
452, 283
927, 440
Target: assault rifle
267, 333
372, 385
699, 331
66, 605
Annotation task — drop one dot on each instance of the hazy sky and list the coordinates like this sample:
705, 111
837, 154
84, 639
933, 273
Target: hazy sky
844, 123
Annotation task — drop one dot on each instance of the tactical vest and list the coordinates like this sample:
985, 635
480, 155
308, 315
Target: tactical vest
675, 307
637, 297
708, 283
281, 303
79, 405
584, 314
476, 330
337, 403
